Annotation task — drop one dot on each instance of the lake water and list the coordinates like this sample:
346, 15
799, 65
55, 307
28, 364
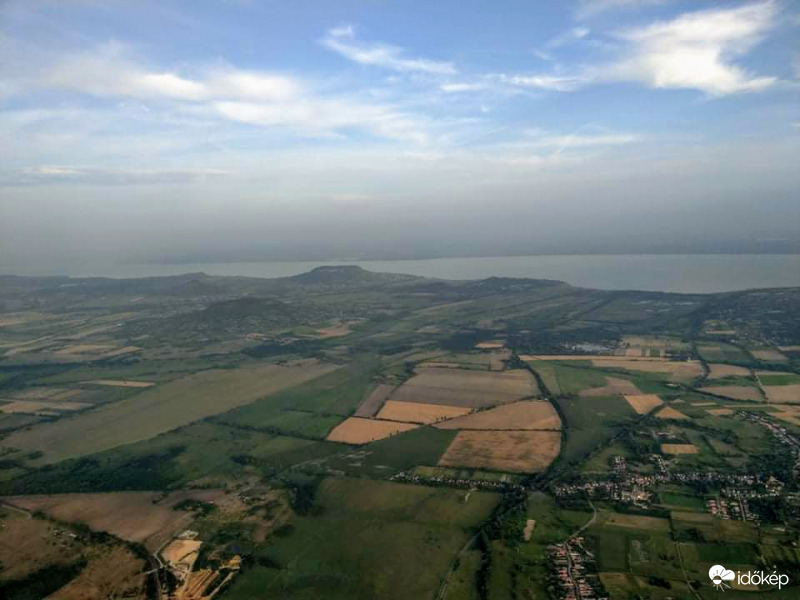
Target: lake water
691, 273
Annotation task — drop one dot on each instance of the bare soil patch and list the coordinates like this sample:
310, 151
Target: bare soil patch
524, 415
490, 345
120, 383
143, 517
737, 392
513, 451
679, 449
769, 355
720, 371
372, 403
33, 407
633, 521
785, 394
415, 412
356, 430
643, 403
465, 388
670, 413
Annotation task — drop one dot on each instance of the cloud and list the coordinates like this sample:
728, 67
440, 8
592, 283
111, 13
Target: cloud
461, 87
694, 51
343, 40
55, 174
557, 83
110, 70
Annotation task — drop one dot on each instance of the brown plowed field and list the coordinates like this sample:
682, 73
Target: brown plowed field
513, 451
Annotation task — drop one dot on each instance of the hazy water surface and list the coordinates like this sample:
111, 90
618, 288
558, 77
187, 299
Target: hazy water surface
694, 273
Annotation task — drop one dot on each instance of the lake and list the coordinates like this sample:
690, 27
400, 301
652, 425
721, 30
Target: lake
691, 273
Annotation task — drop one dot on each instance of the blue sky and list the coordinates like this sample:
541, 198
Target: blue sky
268, 110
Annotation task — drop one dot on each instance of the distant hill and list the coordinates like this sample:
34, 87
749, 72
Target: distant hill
344, 275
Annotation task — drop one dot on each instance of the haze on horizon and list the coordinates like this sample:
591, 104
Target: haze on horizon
240, 130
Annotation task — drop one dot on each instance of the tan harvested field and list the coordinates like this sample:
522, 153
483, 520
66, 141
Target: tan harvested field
34, 407
643, 403
679, 449
120, 383
142, 517
415, 412
160, 409
655, 342
616, 387
719, 371
512, 451
783, 394
469, 389
592, 357
605, 518
50, 393
111, 572
704, 403
789, 348
372, 403
490, 345
516, 416
769, 355
362, 431
670, 413
719, 412
737, 392
790, 414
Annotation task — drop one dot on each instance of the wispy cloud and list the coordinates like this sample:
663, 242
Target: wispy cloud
55, 174
343, 40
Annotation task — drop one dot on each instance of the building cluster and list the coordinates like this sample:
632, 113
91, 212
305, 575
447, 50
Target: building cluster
780, 433
637, 489
571, 565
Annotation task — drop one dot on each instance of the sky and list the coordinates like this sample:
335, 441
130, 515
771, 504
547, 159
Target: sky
213, 130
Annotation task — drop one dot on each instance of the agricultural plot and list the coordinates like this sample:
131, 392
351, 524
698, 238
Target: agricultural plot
615, 386
142, 517
372, 539
678, 372
111, 572
513, 451
670, 413
783, 394
120, 383
466, 388
613, 519
643, 403
721, 371
679, 449
769, 355
415, 412
373, 403
516, 416
158, 410
34, 407
735, 392
356, 430
722, 352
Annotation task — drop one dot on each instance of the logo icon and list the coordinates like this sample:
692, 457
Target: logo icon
719, 575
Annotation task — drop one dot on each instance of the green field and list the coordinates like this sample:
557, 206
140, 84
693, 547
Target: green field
370, 540
158, 410
591, 422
